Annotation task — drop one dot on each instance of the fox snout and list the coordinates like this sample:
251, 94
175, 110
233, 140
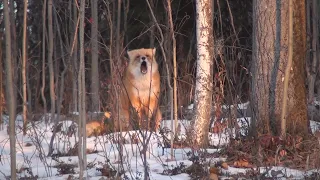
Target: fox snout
143, 67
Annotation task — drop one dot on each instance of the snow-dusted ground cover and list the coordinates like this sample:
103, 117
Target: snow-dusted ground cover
32, 151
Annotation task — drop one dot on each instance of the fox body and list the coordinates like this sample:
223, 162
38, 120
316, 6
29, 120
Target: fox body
140, 92
97, 127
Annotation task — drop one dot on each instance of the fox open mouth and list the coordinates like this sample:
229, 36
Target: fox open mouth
143, 67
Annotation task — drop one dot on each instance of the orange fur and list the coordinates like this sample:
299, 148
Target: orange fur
97, 127
141, 89
94, 128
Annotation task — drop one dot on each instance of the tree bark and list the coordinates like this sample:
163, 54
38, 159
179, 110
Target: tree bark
14, 55
24, 67
61, 89
43, 76
50, 61
270, 53
315, 43
11, 101
2, 99
174, 62
82, 97
287, 73
75, 60
95, 98
205, 54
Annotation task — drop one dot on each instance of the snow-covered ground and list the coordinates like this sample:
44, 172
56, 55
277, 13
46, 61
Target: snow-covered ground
32, 150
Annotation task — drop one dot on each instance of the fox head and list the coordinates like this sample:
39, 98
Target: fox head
142, 61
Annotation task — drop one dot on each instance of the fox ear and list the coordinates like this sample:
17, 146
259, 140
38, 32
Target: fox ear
129, 54
154, 51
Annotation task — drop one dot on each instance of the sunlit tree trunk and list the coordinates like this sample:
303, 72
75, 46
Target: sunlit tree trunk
270, 55
95, 100
24, 66
205, 54
9, 91
287, 72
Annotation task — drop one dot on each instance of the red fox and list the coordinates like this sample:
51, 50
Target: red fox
140, 90
97, 127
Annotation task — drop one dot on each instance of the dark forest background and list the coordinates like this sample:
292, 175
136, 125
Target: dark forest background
232, 32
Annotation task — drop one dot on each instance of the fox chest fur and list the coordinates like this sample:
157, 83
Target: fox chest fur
143, 88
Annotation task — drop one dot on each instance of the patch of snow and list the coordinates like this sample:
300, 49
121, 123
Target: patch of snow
190, 107
239, 106
39, 135
75, 113
315, 126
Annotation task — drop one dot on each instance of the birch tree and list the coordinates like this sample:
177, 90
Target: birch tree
205, 54
10, 91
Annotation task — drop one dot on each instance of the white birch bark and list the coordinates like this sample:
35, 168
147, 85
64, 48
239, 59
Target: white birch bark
205, 56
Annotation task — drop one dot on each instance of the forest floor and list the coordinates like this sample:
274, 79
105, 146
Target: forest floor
228, 156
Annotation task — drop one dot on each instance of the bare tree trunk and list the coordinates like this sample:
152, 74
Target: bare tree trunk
117, 63
126, 7
1, 85
152, 28
24, 64
262, 50
297, 122
50, 61
65, 68
44, 59
30, 104
174, 61
75, 60
270, 44
205, 54
95, 98
82, 96
61, 90
13, 45
163, 52
315, 43
118, 32
11, 101
56, 63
